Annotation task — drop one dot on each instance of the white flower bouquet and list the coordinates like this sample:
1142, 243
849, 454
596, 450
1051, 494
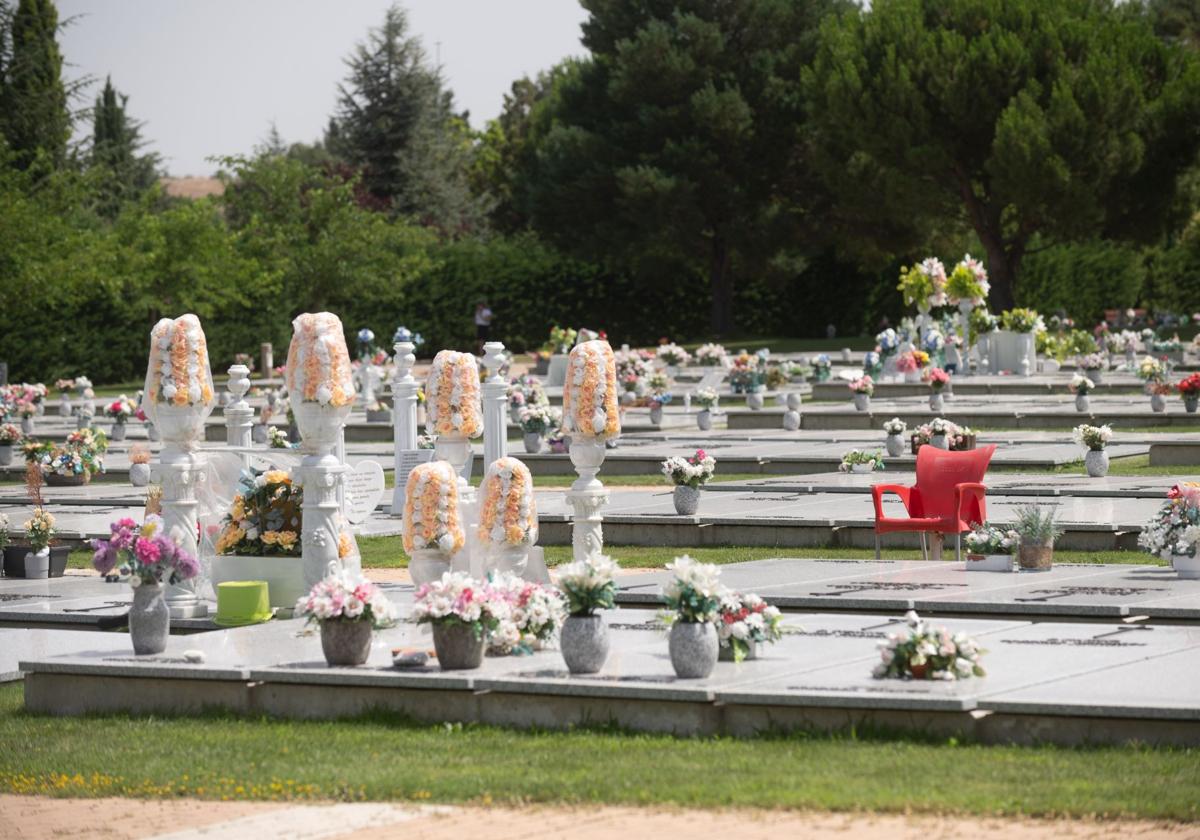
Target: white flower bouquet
930, 653
1094, 438
692, 472
745, 618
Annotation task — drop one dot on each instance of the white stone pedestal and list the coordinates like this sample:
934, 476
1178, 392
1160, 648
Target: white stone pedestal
586, 497
404, 419
180, 470
239, 416
495, 403
321, 476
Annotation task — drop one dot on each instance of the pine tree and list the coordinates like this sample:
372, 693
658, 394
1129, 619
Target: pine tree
116, 141
33, 100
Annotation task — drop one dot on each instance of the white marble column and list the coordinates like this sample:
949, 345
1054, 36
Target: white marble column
495, 403
586, 497
267, 359
239, 416
180, 470
404, 416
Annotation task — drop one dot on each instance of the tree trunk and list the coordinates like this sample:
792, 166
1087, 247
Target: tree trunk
722, 289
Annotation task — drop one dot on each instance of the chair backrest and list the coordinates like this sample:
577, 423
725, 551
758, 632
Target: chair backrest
939, 470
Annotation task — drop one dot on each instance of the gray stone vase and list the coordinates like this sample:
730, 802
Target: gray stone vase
346, 642
533, 442
687, 499
6, 454
1082, 404
584, 643
1096, 461
149, 620
693, 647
895, 446
457, 648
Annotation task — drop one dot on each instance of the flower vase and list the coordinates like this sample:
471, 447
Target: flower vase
686, 499
427, 565
533, 442
149, 619
82, 421
6, 454
457, 647
27, 426
139, 474
1095, 374
912, 376
345, 642
889, 367
862, 402
754, 400
693, 647
937, 402
1096, 462
259, 434
656, 414
153, 434
791, 420
862, 469
1081, 403
514, 413
939, 441
895, 446
989, 563
1158, 403
118, 431
794, 401
1189, 404
37, 564
727, 655
1187, 567
704, 419
64, 406
584, 643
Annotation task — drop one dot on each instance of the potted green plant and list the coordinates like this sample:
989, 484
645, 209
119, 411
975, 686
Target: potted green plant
861, 461
1037, 530
589, 587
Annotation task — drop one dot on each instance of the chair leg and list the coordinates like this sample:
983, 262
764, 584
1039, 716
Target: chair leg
958, 547
924, 548
876, 545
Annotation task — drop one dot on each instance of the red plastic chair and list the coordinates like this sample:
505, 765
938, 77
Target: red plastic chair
947, 498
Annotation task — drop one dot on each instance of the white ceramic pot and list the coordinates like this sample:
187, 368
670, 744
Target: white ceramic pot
1081, 403
1096, 462
181, 423
895, 446
37, 564
989, 563
704, 420
862, 402
861, 469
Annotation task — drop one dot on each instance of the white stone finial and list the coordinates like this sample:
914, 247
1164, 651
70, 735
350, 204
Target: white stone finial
493, 359
239, 381
405, 359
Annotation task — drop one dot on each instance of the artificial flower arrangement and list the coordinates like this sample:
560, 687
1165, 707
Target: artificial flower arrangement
957, 437
452, 389
863, 385
431, 515
693, 594
539, 419
931, 653
984, 539
178, 372
508, 515
25, 408
144, 552
821, 366
1080, 384
590, 407
933, 342
633, 366
872, 363
81, 455
887, 342
861, 458
366, 343
706, 398
1167, 345
968, 282
318, 363
895, 426
265, 517
1180, 511
1095, 438
1189, 386
277, 438
64, 386
745, 371
1022, 320
589, 585
981, 322
743, 619
459, 600
711, 355
672, 355
343, 597
695, 471
120, 409
535, 614
912, 361
924, 284
562, 339
1121, 342
9, 434
39, 529
526, 390
658, 383
937, 379
1092, 361
1152, 371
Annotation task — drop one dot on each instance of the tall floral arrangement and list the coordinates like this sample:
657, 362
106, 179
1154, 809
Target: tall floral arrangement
178, 373
924, 284
509, 513
318, 363
452, 396
431, 515
968, 282
590, 407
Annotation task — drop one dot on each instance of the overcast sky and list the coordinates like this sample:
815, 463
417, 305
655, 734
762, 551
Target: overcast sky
208, 76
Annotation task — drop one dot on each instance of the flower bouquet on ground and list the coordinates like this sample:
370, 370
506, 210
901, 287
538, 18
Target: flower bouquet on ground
348, 609
990, 549
928, 653
861, 461
693, 599
689, 475
589, 586
1181, 510
745, 621
150, 558
465, 613
711, 355
535, 616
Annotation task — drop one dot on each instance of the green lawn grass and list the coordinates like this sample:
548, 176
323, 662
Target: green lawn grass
386, 757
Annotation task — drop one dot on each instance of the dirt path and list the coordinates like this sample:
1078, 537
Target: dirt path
36, 818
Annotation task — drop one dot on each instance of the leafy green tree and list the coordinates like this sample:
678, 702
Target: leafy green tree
1176, 20
33, 99
674, 148
1064, 119
125, 171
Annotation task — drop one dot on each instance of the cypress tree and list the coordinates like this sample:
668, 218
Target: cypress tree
33, 99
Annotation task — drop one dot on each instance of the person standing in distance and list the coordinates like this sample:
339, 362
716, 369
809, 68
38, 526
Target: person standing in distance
483, 325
